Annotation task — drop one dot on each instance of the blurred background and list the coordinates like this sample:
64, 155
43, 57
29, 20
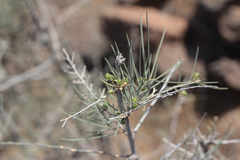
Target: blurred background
34, 90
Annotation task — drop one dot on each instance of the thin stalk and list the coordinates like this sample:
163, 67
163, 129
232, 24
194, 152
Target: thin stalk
118, 62
195, 63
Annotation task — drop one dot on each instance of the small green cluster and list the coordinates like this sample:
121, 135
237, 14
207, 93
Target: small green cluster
142, 80
111, 91
134, 101
110, 77
196, 77
116, 83
183, 93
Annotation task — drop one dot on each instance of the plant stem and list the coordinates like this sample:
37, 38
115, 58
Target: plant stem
133, 156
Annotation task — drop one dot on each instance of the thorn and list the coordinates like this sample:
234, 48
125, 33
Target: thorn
76, 82
71, 72
73, 56
91, 85
83, 72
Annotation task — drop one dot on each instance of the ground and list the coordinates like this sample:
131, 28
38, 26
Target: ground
34, 89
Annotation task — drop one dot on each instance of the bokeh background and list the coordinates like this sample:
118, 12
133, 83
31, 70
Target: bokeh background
34, 90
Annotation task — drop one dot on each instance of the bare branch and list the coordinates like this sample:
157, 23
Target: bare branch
76, 114
61, 148
26, 75
190, 154
154, 101
73, 66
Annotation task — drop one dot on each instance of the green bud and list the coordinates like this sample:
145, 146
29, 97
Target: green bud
119, 81
110, 91
183, 93
134, 99
108, 76
134, 106
196, 76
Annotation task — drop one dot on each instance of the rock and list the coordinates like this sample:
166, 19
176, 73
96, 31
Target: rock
229, 24
228, 69
157, 20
